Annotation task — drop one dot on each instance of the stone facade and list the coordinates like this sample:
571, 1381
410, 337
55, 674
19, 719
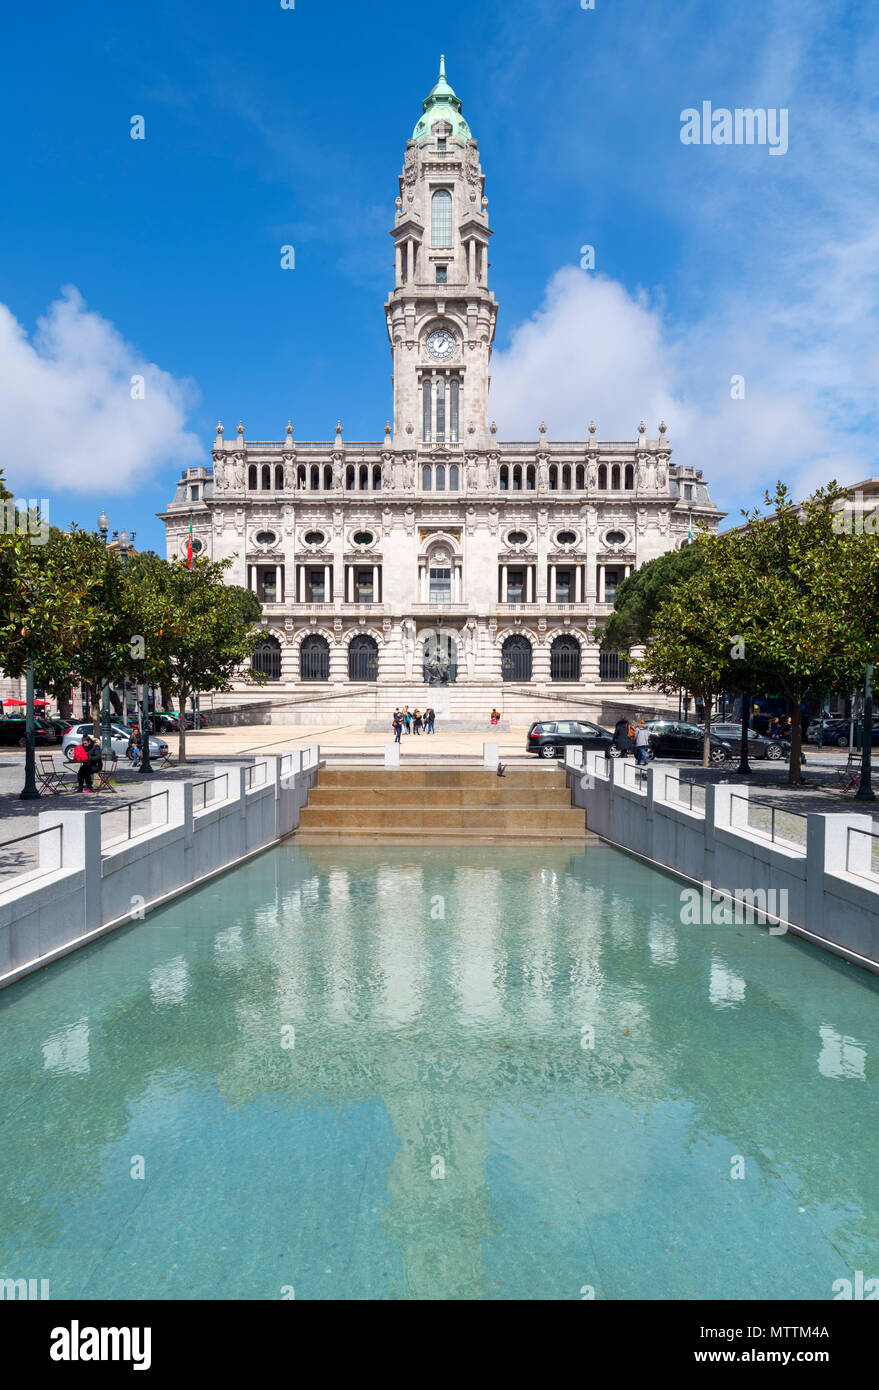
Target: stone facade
370, 556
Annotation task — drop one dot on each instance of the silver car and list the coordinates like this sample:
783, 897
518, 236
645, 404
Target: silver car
118, 741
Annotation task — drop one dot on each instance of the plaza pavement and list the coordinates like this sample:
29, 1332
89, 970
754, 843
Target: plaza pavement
343, 742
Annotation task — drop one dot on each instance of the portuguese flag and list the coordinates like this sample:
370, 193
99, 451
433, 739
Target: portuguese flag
189, 546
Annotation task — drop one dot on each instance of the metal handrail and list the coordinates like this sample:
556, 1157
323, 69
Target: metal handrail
35, 835
772, 808
870, 835
209, 782
667, 777
248, 775
129, 835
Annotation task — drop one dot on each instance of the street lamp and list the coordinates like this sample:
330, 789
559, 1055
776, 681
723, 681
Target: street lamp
30, 791
106, 747
865, 790
744, 767
125, 544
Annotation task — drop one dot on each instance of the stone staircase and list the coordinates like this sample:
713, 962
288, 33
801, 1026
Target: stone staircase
437, 803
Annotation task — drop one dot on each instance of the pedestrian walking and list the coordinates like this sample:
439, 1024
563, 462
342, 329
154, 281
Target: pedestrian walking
623, 737
416, 720
398, 725
430, 717
407, 719
642, 739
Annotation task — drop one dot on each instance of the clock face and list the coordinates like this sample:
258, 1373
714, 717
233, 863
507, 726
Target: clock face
441, 344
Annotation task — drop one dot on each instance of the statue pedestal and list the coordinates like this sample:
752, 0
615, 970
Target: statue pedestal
440, 699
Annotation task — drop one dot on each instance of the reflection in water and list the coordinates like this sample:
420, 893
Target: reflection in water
444, 1072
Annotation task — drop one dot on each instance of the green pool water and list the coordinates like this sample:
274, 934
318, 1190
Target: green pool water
478, 1073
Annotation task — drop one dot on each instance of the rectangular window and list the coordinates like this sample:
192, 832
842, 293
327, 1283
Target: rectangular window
194, 493
268, 586
426, 426
688, 492
441, 143
363, 586
442, 275
454, 406
316, 586
515, 586
440, 585
611, 580
563, 586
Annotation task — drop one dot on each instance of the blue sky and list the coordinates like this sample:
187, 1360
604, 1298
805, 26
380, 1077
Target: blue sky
267, 126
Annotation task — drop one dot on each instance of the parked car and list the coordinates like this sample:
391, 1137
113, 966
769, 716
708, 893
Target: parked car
13, 731
168, 720
759, 746
671, 738
549, 738
60, 726
119, 736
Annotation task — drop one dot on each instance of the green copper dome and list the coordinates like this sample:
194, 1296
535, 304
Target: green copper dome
441, 105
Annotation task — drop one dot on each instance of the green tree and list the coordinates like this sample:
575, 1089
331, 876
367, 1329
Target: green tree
198, 631
639, 597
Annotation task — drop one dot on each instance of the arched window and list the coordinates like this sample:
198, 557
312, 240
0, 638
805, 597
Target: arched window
440, 477
328, 477
300, 475
266, 658
630, 477
426, 478
364, 478
454, 407
314, 659
315, 478
251, 477
279, 477
530, 478
516, 659
564, 659
266, 478
426, 396
376, 477
566, 478
441, 218
363, 658
454, 476
612, 667
581, 478
504, 479
350, 478
517, 477
615, 478
441, 411
553, 477
602, 477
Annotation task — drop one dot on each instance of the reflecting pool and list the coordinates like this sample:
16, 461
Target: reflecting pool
453, 1072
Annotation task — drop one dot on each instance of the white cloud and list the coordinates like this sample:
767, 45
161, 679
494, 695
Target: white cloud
69, 419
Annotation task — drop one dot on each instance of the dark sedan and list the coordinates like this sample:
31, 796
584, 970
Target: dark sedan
13, 731
670, 738
758, 746
550, 738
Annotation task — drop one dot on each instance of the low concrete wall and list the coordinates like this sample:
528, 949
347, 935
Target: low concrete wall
186, 833
832, 893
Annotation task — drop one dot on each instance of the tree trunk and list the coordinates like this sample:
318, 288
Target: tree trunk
95, 692
65, 706
181, 754
795, 776
707, 706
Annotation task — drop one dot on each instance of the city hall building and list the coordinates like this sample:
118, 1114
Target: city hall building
439, 547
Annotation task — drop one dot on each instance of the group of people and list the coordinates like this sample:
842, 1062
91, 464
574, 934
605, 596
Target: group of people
413, 721
627, 736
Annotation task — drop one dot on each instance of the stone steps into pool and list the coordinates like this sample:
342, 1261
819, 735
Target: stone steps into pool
357, 802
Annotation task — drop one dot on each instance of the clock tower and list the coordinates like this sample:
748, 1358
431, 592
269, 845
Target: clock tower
441, 314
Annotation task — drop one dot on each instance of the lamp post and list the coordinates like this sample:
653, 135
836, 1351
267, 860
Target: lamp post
29, 792
744, 767
125, 543
865, 790
106, 749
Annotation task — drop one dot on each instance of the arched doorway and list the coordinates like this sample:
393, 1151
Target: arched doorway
266, 659
564, 659
314, 659
363, 658
516, 659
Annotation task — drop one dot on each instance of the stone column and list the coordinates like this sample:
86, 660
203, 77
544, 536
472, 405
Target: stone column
326, 584
349, 584
503, 584
399, 265
375, 583
552, 583
578, 584
601, 583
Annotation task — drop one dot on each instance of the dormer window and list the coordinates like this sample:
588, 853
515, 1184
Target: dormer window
441, 144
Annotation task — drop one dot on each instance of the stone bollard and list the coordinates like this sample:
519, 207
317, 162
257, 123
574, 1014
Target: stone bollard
490, 755
392, 755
